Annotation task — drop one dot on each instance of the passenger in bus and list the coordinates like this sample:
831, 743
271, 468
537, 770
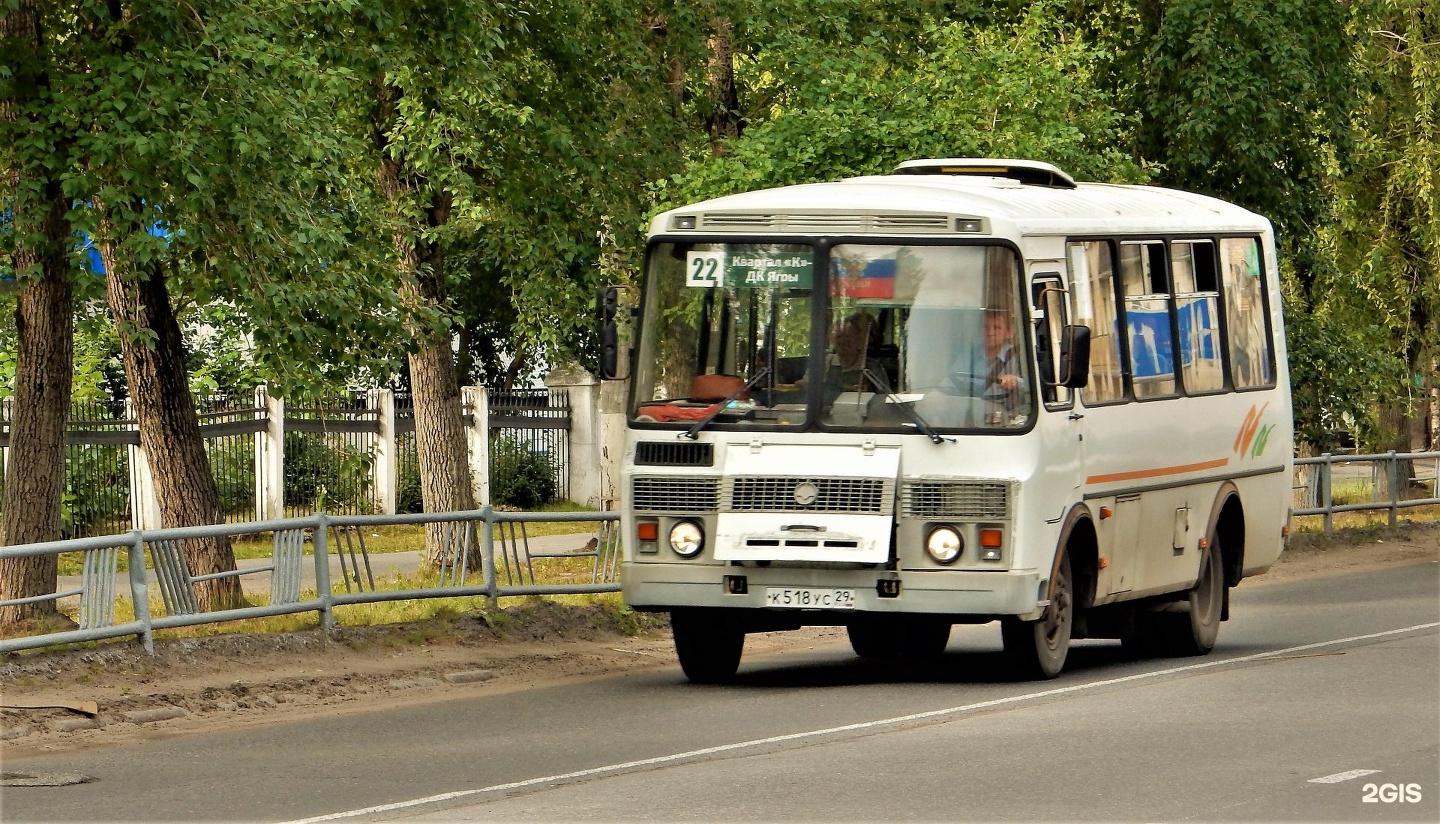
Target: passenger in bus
993, 370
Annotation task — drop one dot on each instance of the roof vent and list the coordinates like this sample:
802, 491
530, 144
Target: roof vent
1027, 172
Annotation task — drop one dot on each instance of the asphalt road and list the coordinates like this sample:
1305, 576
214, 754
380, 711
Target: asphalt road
1312, 679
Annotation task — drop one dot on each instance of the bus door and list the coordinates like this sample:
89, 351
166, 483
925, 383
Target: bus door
1062, 426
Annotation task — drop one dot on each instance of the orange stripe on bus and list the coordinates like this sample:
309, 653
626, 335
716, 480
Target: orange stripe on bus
1156, 473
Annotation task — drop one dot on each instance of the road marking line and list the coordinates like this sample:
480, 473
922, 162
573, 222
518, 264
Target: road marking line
864, 725
1338, 777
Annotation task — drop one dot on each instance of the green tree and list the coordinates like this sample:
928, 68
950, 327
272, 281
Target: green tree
199, 154
34, 235
1387, 238
950, 89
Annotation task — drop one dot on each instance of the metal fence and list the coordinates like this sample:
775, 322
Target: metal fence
329, 455
329, 447
500, 540
530, 426
98, 441
228, 424
1331, 484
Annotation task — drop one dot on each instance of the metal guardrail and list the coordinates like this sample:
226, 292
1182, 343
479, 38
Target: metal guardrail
98, 594
1319, 488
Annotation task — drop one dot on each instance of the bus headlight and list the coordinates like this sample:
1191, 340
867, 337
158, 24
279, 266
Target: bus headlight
944, 544
687, 539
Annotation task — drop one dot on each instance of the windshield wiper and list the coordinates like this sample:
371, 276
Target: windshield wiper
879, 382
695, 428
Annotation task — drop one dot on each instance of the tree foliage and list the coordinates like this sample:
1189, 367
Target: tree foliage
954, 89
1387, 204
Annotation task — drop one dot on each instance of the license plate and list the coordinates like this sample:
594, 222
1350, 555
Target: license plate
805, 598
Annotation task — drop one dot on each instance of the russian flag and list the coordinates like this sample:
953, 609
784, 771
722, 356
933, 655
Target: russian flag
877, 281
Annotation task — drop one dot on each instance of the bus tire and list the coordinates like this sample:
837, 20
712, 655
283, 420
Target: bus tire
871, 640
1194, 632
1037, 649
708, 646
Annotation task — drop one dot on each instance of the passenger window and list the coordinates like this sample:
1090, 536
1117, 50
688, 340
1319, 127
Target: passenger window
1147, 318
1197, 300
1092, 303
1245, 327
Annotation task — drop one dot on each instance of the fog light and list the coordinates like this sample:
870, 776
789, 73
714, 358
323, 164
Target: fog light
944, 544
687, 539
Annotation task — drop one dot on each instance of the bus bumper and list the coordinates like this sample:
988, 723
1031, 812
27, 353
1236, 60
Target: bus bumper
961, 593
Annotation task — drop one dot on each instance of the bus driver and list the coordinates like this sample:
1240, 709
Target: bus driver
992, 372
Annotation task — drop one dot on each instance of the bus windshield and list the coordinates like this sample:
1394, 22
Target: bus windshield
933, 327
725, 323
916, 336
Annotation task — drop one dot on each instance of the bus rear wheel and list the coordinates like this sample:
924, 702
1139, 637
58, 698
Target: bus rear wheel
1037, 649
708, 646
1194, 632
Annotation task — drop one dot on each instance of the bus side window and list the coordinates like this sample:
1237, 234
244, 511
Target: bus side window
1245, 327
1147, 318
1092, 302
1049, 297
1197, 318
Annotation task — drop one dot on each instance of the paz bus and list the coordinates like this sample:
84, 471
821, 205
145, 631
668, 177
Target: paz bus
969, 391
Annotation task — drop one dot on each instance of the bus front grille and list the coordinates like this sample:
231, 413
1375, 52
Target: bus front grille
860, 496
680, 453
955, 499
667, 494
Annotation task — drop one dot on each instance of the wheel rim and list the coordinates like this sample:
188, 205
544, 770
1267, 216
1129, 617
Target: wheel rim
1057, 616
1205, 602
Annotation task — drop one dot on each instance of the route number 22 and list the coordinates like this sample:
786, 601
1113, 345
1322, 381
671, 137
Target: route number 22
703, 268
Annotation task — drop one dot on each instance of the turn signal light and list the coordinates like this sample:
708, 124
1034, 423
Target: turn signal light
647, 531
990, 538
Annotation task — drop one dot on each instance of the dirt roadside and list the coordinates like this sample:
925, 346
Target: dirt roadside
228, 681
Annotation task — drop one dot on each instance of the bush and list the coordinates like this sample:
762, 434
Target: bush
518, 476
407, 484
317, 473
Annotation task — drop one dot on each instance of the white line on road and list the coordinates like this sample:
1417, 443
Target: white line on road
1338, 777
865, 725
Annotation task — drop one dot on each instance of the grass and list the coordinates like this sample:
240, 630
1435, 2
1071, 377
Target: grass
431, 613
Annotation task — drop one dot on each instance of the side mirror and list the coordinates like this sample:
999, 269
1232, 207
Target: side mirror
1075, 357
607, 307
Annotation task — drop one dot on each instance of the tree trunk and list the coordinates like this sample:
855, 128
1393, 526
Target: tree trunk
439, 426
35, 470
169, 426
724, 122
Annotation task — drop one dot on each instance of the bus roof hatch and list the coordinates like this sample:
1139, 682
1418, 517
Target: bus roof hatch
1028, 172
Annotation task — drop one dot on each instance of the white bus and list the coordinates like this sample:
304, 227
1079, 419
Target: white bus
973, 390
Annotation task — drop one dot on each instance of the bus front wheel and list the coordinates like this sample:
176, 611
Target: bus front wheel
708, 646
1037, 649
